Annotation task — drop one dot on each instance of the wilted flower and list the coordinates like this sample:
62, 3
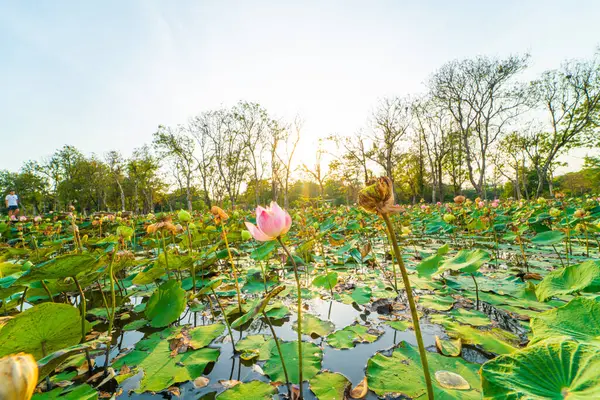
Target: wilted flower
459, 199
271, 223
378, 196
559, 195
19, 375
164, 224
219, 214
579, 213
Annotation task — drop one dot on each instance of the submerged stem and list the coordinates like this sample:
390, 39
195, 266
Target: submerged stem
237, 286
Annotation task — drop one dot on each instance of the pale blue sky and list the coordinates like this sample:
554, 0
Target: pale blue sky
102, 75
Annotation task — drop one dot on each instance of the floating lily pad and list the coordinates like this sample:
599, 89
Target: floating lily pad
494, 341
361, 295
347, 337
161, 368
329, 386
311, 362
467, 261
402, 373
439, 303
559, 370
312, 325
251, 390
259, 344
450, 348
471, 317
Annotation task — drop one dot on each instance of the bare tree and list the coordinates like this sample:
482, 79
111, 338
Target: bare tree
483, 99
433, 124
287, 155
391, 121
355, 152
174, 143
230, 152
199, 127
253, 124
317, 173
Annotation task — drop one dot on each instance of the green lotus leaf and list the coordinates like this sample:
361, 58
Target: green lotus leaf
311, 362
210, 286
450, 348
361, 295
176, 262
52, 361
329, 386
162, 369
347, 337
135, 325
402, 373
259, 344
249, 390
471, 317
41, 330
60, 267
548, 238
429, 266
326, 281
149, 275
572, 279
201, 336
81, 392
166, 304
439, 303
257, 307
312, 325
548, 370
467, 261
579, 319
495, 340
399, 325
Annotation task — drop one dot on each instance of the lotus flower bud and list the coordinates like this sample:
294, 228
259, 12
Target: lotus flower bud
19, 375
449, 218
246, 235
554, 212
184, 216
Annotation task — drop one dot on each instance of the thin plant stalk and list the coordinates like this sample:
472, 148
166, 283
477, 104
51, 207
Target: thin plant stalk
287, 379
224, 318
83, 313
164, 249
189, 234
411, 303
47, 290
476, 292
237, 286
299, 313
113, 301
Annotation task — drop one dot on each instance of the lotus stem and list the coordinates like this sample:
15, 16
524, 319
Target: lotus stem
411, 303
113, 301
189, 234
237, 286
83, 313
299, 313
224, 318
476, 292
287, 379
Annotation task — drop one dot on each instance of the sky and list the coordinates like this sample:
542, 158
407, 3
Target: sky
102, 75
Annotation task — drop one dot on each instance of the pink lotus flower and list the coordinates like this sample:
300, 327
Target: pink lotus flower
272, 222
37, 218
439, 203
22, 218
495, 203
481, 204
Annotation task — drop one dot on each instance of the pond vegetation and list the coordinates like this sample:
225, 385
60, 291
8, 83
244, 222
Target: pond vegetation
460, 300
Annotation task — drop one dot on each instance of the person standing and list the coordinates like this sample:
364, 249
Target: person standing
12, 203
